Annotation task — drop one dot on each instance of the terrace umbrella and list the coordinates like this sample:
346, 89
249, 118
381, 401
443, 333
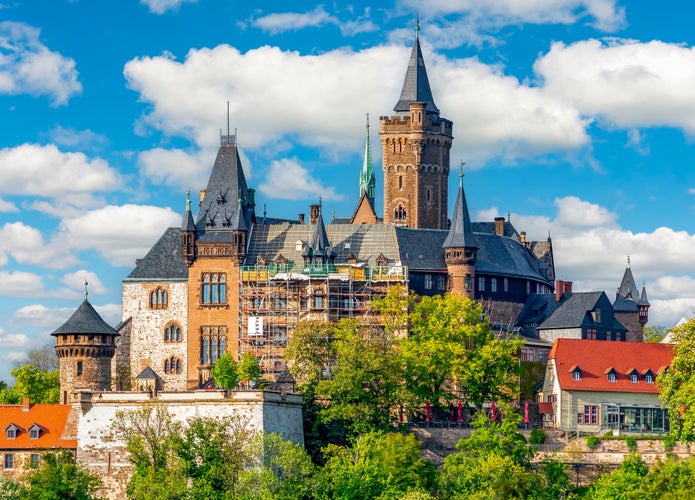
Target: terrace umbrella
460, 413
526, 419
493, 412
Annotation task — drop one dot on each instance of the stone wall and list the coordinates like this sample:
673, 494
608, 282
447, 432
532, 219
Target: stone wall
630, 320
102, 451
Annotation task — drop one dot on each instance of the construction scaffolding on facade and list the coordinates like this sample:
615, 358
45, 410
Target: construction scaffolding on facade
274, 298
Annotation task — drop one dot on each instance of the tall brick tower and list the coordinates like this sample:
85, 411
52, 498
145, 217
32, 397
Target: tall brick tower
85, 345
460, 248
415, 153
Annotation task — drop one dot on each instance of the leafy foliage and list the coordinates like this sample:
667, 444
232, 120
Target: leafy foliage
654, 334
538, 436
43, 359
677, 384
30, 382
226, 371
249, 368
59, 476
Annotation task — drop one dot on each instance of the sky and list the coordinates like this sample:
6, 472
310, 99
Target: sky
575, 119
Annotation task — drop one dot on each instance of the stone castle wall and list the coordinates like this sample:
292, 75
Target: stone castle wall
630, 320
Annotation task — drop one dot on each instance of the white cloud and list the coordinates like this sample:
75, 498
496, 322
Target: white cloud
76, 282
293, 21
176, 167
120, 233
13, 340
573, 212
26, 245
47, 172
29, 67
83, 139
288, 180
40, 316
7, 206
21, 284
605, 14
304, 97
627, 83
162, 6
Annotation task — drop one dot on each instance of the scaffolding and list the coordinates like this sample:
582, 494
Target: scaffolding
274, 298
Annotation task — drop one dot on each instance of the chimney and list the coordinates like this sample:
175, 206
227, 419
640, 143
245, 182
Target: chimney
523, 237
313, 213
561, 288
499, 226
25, 404
301, 218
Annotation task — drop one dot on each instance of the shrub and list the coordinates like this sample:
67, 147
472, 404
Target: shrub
538, 436
631, 443
592, 441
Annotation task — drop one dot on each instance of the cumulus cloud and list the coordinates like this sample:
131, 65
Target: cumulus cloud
162, 6
77, 280
288, 180
21, 284
47, 172
7, 206
605, 15
29, 67
573, 212
85, 140
176, 167
626, 83
40, 316
26, 245
120, 233
13, 340
293, 21
495, 115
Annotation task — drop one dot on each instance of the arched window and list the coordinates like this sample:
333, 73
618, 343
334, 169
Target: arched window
172, 365
159, 299
400, 213
172, 333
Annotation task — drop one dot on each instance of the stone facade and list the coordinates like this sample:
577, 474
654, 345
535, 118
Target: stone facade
415, 161
631, 321
144, 341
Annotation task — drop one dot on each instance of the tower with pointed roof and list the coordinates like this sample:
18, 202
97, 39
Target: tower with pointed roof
631, 307
415, 153
85, 345
460, 248
367, 179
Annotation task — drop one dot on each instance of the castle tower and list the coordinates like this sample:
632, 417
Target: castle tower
220, 240
367, 179
85, 345
631, 308
460, 249
415, 153
188, 233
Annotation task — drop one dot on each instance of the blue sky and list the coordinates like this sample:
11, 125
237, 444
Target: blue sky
574, 117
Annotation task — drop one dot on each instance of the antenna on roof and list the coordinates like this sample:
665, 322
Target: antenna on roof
227, 117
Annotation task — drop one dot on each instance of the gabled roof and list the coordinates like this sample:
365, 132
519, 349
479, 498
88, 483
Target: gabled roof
461, 230
147, 373
163, 261
85, 320
416, 85
52, 420
595, 357
573, 309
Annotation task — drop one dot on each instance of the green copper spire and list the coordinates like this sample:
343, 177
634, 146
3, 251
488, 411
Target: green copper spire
367, 179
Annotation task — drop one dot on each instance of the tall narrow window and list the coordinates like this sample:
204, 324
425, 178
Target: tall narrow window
214, 288
400, 183
35, 459
9, 460
213, 343
79, 368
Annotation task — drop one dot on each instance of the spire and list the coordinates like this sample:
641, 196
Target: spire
188, 223
643, 300
628, 288
319, 250
416, 86
367, 179
461, 230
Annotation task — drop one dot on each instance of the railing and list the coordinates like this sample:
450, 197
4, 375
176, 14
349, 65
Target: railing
341, 271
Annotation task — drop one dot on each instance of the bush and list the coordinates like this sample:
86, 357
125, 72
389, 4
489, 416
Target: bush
538, 436
592, 441
631, 443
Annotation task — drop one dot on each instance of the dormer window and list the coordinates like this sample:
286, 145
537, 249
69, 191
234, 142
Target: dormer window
634, 376
610, 373
576, 374
34, 431
648, 377
11, 431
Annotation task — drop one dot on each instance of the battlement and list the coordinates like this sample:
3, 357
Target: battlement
433, 124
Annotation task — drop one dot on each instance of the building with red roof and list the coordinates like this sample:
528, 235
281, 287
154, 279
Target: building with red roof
28, 430
595, 386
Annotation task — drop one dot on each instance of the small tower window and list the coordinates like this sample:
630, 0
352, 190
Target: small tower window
400, 183
79, 368
158, 299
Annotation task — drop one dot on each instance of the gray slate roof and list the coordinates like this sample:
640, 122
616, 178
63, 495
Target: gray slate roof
163, 261
573, 311
416, 85
461, 231
147, 373
85, 320
628, 288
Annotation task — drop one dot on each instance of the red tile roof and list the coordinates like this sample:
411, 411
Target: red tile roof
596, 357
50, 418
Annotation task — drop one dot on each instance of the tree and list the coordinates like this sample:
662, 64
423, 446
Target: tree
9, 489
677, 384
147, 433
30, 382
452, 353
44, 359
309, 351
60, 477
249, 368
365, 378
654, 334
225, 372
622, 483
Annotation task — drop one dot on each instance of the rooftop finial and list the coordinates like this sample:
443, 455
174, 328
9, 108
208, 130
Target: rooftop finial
86, 292
188, 201
628, 262
461, 173
417, 25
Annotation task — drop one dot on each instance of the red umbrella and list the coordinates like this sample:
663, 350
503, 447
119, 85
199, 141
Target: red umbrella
460, 415
493, 412
526, 420
429, 413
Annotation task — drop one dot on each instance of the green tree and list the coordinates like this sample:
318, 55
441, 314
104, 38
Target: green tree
309, 351
654, 334
249, 368
453, 353
43, 359
365, 378
9, 489
147, 433
226, 372
30, 382
677, 384
60, 477
623, 483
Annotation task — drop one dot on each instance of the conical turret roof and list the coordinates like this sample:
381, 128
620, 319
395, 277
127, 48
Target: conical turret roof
85, 321
643, 301
416, 86
188, 223
628, 288
461, 230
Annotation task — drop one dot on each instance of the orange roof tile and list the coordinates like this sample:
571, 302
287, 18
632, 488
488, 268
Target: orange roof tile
51, 419
595, 358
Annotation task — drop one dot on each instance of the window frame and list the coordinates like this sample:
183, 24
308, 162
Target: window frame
9, 459
213, 289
